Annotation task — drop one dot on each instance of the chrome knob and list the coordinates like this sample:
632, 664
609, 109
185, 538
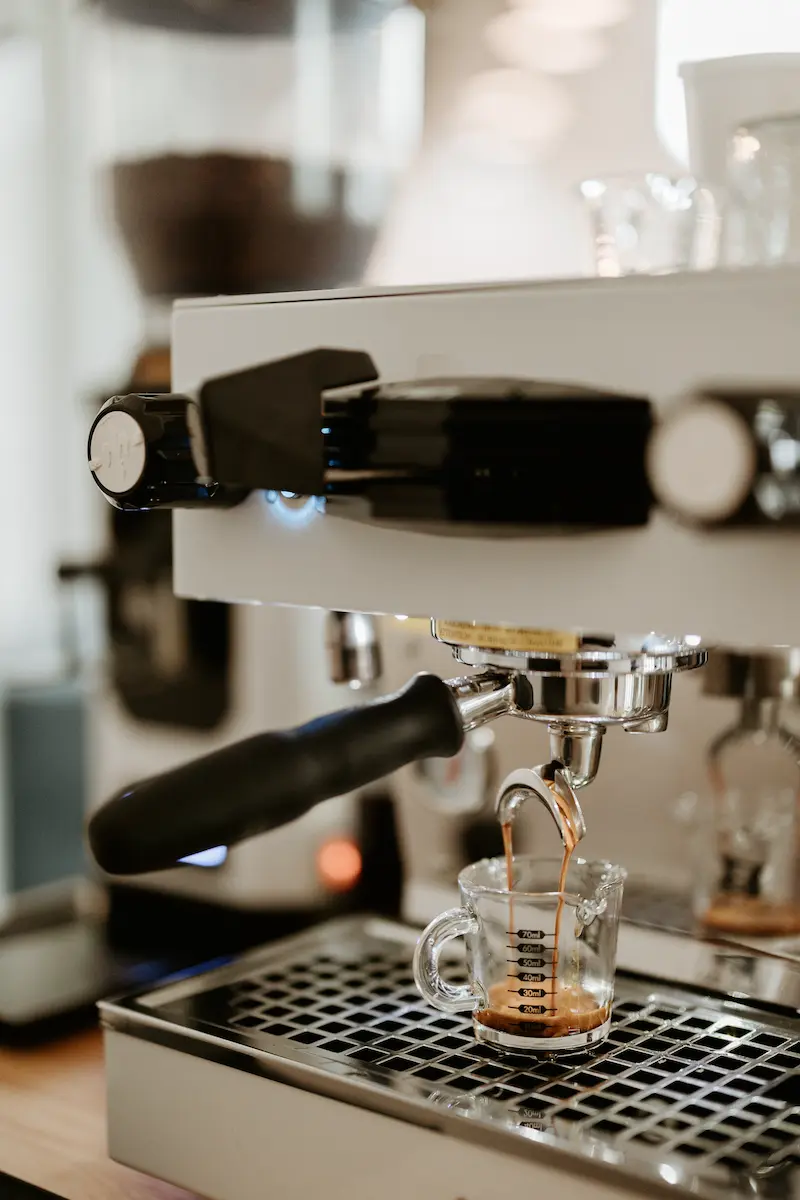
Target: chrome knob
149, 451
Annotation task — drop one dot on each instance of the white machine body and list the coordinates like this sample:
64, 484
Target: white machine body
660, 337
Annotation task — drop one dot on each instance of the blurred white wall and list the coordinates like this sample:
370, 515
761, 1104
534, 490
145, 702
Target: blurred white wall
470, 213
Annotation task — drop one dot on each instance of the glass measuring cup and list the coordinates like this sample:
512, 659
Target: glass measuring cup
540, 962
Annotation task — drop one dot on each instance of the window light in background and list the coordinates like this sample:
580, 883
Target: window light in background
27, 536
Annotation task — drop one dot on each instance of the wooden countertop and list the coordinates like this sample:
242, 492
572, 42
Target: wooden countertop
53, 1125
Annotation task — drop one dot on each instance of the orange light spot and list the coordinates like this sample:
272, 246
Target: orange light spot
339, 864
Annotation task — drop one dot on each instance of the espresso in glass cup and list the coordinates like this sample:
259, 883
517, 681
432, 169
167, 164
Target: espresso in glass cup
540, 961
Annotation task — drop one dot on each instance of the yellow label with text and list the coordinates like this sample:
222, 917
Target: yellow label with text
505, 637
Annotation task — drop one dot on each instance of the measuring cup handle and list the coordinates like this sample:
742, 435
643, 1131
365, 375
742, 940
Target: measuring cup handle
456, 922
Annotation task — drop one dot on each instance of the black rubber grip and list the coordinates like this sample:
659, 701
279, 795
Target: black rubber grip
268, 780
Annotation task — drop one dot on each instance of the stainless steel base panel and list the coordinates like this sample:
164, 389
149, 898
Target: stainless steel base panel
312, 1066
233, 1136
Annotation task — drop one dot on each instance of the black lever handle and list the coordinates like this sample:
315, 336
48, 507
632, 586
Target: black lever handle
271, 779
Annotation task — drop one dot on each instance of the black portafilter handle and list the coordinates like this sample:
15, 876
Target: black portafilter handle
271, 779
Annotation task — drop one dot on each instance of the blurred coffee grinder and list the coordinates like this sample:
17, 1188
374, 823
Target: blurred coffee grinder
260, 156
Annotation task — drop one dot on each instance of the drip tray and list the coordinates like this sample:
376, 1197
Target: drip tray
699, 1093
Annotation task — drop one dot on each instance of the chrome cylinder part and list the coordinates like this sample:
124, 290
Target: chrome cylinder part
354, 652
481, 698
577, 747
604, 700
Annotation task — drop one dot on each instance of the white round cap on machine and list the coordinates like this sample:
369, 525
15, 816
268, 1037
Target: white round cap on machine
117, 452
702, 461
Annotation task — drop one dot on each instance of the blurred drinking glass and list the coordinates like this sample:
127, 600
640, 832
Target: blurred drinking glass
652, 224
764, 175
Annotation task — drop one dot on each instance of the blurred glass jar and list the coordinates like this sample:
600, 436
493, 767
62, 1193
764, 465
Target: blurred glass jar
746, 829
651, 224
252, 145
764, 177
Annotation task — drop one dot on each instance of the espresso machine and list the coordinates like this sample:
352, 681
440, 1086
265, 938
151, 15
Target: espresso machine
542, 503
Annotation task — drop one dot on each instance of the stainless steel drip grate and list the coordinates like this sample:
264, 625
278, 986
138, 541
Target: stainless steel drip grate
710, 1087
676, 1076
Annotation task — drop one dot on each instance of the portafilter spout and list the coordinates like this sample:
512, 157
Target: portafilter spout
549, 785
576, 746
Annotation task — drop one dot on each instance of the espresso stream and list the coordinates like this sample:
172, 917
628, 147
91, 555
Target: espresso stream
570, 1008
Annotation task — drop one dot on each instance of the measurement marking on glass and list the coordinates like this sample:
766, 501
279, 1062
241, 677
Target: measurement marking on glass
540, 969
